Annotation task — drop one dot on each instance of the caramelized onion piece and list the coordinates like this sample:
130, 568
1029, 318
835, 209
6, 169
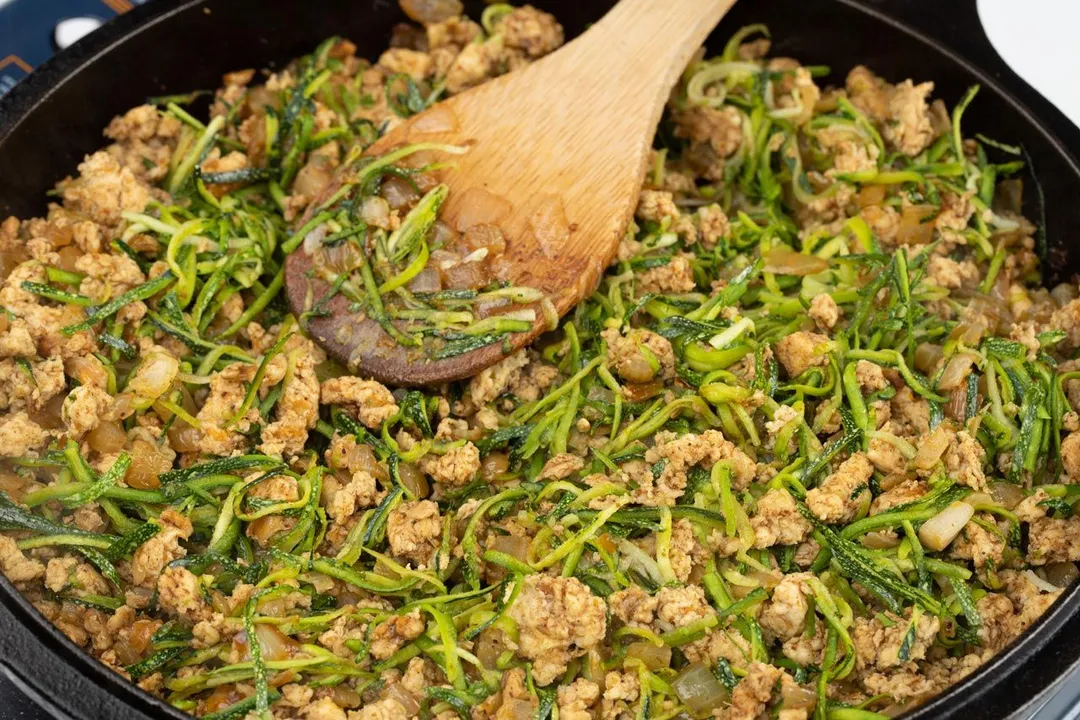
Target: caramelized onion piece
429, 12
916, 225
931, 448
148, 461
783, 261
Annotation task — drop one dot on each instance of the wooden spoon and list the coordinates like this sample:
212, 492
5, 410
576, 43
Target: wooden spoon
562, 145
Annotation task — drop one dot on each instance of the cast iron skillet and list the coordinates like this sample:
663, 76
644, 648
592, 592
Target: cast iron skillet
50, 120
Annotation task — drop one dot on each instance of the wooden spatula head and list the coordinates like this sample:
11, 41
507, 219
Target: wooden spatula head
558, 151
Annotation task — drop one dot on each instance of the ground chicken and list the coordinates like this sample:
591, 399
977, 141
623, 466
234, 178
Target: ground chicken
180, 594
576, 698
676, 277
1070, 456
392, 634
17, 341
979, 545
778, 521
297, 410
1067, 319
360, 492
839, 497
1054, 540
530, 31
385, 709
108, 276
323, 709
640, 355
457, 466
492, 382
68, 573
824, 311
621, 692
402, 61
160, 550
906, 492
17, 567
964, 460
104, 190
633, 606
679, 455
19, 435
85, 408
219, 435
561, 467
785, 613
806, 649
753, 693
368, 400
908, 128
878, 647
800, 351
414, 530
559, 619
658, 206
713, 225
870, 376
948, 273
910, 414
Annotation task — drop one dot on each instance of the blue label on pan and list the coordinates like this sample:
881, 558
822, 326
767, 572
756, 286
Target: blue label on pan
32, 30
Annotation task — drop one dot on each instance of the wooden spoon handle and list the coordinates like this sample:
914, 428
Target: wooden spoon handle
646, 42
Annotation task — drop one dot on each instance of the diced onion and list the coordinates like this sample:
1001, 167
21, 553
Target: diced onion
652, 656
956, 371
927, 356
699, 689
940, 530
932, 448
1006, 494
1061, 574
436, 120
783, 261
797, 697
274, 644
979, 498
916, 225
154, 376
477, 206
878, 540
1039, 582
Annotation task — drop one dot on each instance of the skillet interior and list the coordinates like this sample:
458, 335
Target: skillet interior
50, 121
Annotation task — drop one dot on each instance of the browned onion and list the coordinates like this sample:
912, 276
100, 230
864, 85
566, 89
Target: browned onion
1006, 494
916, 225
148, 461
653, 656
1061, 574
494, 465
931, 448
871, 195
927, 356
699, 689
274, 644
429, 12
784, 261
414, 480
107, 437
956, 371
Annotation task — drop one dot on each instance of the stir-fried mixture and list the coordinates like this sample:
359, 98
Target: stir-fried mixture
809, 449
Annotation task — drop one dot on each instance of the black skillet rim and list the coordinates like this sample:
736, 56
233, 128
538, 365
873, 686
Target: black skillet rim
1034, 661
